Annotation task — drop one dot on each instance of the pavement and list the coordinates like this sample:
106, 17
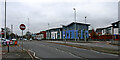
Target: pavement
45, 50
15, 53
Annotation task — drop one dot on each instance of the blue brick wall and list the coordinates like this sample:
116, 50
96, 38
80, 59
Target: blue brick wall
67, 35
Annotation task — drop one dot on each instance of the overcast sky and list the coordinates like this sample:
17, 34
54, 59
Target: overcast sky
100, 13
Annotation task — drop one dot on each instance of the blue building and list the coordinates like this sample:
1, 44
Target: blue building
81, 31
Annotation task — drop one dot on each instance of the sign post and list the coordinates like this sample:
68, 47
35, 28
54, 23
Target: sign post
22, 27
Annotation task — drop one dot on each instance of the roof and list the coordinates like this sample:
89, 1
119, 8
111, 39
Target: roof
53, 29
100, 28
77, 23
42, 31
115, 22
104, 27
108, 26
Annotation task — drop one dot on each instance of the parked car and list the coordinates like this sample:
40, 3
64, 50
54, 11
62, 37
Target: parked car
30, 39
10, 42
13, 39
38, 38
5, 42
25, 39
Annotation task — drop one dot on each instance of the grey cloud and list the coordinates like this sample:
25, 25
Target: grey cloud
40, 14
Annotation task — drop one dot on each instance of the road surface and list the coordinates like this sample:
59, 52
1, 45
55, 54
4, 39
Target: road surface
50, 50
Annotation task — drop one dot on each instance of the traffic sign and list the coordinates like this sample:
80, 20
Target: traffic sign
22, 27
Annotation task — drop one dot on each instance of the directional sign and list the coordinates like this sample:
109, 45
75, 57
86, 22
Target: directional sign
22, 27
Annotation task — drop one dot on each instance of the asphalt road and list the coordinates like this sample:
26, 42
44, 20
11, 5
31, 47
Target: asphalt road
50, 50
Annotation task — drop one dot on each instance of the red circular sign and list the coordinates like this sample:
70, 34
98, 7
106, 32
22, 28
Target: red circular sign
22, 27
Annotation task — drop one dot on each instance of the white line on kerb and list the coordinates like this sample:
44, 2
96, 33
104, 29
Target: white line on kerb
30, 55
33, 53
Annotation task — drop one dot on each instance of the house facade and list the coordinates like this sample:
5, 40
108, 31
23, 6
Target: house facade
107, 30
110, 32
116, 28
41, 35
54, 33
99, 31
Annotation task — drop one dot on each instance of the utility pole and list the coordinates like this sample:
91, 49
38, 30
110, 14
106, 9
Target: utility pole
11, 31
5, 20
85, 29
75, 21
11, 28
5, 25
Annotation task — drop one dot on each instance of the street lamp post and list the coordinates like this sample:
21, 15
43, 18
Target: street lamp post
75, 21
48, 31
85, 29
